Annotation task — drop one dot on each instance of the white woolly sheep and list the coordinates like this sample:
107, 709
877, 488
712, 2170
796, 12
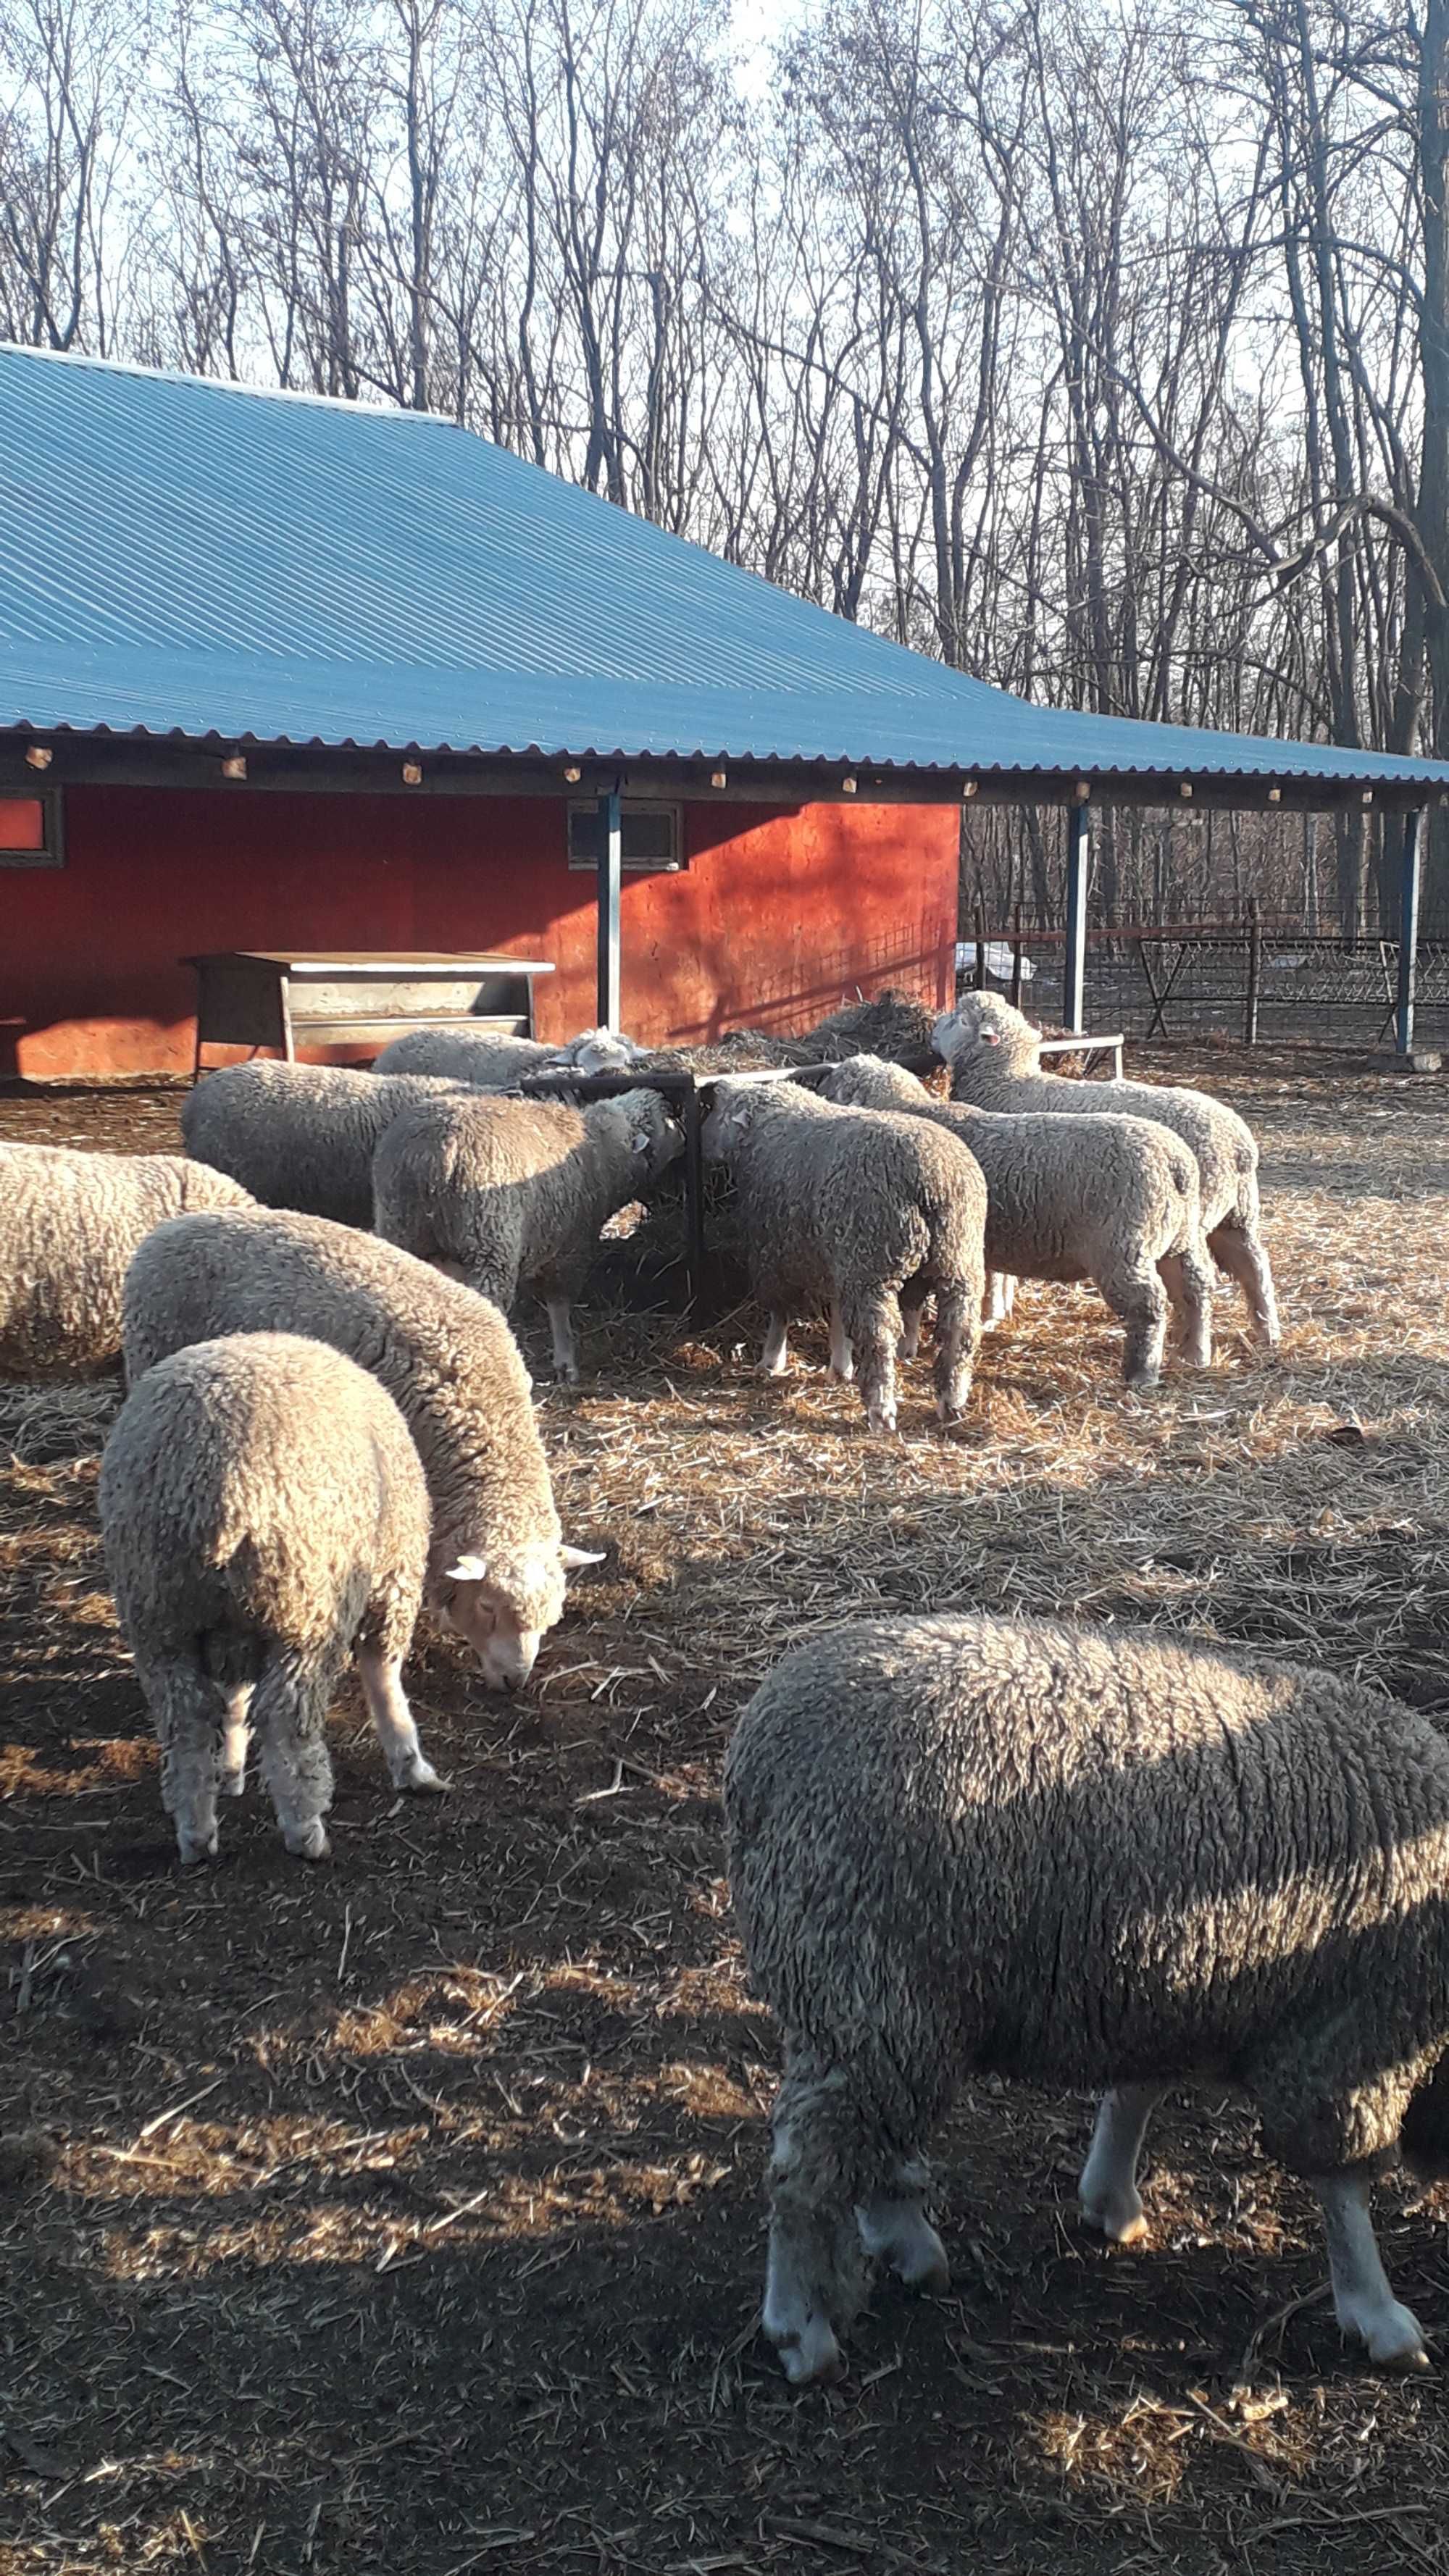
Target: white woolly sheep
492, 1062
1113, 1200
450, 1364
994, 1055
865, 1214
300, 1135
510, 1193
1082, 1858
71, 1224
265, 1517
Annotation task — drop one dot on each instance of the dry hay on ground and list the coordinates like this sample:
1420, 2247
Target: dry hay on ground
406, 2212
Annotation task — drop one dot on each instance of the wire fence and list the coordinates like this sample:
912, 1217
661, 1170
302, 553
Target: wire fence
1247, 980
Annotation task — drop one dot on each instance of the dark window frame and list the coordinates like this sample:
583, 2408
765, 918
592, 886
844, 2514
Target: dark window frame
672, 866
51, 854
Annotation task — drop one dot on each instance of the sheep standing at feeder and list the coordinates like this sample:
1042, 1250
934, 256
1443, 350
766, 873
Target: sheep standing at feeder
865, 1214
300, 1136
512, 1193
994, 1055
492, 1061
449, 1362
71, 1222
1082, 1859
1113, 1200
265, 1518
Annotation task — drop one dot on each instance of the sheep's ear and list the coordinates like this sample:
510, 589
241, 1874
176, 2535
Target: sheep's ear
989, 1037
570, 1557
469, 1569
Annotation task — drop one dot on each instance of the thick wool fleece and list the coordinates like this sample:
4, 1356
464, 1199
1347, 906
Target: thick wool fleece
491, 1061
262, 1493
1106, 1199
994, 1055
857, 1211
1088, 1859
69, 1224
446, 1357
300, 1135
515, 1191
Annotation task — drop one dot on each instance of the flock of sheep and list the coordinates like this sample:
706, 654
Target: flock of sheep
954, 1844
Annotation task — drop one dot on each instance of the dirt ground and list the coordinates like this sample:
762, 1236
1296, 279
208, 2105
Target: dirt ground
405, 2213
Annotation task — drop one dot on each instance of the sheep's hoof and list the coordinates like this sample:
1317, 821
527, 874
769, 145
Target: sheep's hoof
308, 1842
419, 1778
197, 1847
1393, 2334
566, 1373
880, 1417
231, 1784
1117, 2216
811, 2357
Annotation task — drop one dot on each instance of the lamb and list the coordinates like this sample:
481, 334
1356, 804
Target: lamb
493, 1062
508, 1192
1082, 1858
264, 1516
300, 1135
994, 1055
1113, 1200
72, 1222
447, 1358
866, 1213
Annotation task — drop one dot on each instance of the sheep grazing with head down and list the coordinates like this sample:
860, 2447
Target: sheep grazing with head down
513, 1193
1082, 1858
265, 1518
865, 1215
446, 1357
71, 1222
1113, 1200
300, 1136
994, 1055
493, 1062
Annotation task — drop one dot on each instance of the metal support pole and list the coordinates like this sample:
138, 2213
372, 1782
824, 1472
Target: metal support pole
611, 870
1016, 957
979, 976
1255, 973
1079, 847
692, 1121
1413, 865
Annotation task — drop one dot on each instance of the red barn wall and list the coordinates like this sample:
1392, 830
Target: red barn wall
778, 913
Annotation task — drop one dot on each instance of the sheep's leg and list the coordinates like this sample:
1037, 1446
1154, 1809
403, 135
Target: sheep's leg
235, 1738
894, 2227
958, 1331
999, 1299
1363, 2302
874, 1325
815, 2278
287, 1717
1108, 2188
1188, 1279
565, 1347
1239, 1250
913, 1310
775, 1358
842, 1360
1139, 1298
381, 1677
189, 1711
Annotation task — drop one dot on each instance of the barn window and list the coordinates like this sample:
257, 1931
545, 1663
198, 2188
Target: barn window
650, 835
30, 832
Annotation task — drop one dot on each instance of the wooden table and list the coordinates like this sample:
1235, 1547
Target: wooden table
255, 997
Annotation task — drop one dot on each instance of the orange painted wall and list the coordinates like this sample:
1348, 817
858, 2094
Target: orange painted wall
778, 914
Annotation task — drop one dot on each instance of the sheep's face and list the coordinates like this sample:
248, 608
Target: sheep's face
504, 1606
731, 1111
600, 1051
655, 1139
985, 1030
1425, 2138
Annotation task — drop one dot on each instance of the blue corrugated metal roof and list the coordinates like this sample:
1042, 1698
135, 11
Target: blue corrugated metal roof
184, 557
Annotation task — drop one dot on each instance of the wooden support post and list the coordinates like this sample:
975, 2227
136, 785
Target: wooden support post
1255, 974
1079, 845
1016, 957
692, 1119
1413, 866
979, 978
611, 869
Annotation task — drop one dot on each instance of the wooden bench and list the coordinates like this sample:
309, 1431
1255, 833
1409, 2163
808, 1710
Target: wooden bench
258, 998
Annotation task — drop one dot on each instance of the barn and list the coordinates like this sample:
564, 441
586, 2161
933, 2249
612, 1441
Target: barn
281, 674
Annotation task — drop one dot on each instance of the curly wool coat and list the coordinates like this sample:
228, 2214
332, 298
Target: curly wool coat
446, 1357
515, 1192
300, 1136
994, 1055
71, 1224
1088, 1859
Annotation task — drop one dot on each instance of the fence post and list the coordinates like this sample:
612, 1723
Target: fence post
979, 978
1016, 956
1255, 973
1413, 862
1079, 842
